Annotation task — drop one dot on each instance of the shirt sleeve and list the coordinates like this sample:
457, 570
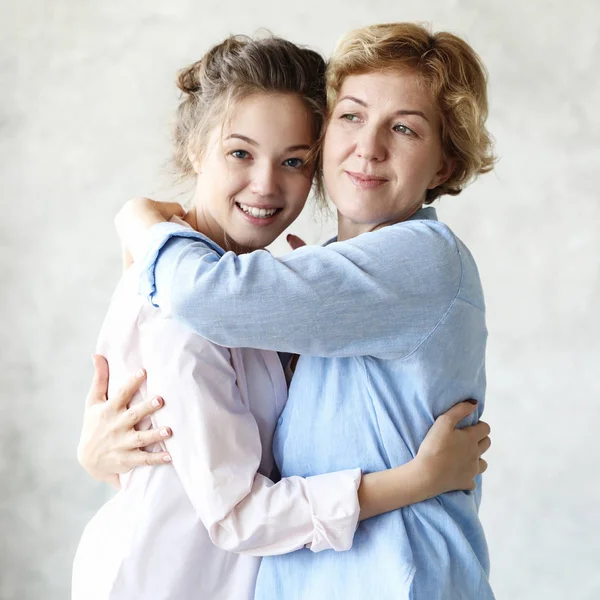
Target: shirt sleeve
216, 451
379, 294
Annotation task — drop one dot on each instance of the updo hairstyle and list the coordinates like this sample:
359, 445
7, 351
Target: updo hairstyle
235, 69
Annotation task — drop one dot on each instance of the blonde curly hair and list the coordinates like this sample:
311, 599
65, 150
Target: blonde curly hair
454, 75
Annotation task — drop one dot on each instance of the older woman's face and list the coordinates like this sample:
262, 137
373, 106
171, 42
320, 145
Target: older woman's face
382, 150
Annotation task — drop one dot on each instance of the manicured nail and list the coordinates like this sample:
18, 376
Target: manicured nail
167, 458
156, 402
472, 401
164, 433
139, 373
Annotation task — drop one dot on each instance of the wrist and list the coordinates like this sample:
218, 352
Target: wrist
133, 222
394, 488
428, 475
138, 242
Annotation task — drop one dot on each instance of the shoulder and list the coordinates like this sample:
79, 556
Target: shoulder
434, 238
163, 335
425, 250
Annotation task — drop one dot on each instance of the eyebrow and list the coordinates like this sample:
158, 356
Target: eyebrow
239, 136
398, 112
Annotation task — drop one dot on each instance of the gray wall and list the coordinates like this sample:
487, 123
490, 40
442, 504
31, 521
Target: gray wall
86, 93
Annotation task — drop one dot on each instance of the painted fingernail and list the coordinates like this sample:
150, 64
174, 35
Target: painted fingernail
156, 402
164, 433
472, 401
140, 373
167, 458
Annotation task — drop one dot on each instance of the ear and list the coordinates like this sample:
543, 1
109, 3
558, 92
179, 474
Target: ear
443, 174
196, 162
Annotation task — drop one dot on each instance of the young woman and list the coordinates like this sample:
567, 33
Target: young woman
246, 129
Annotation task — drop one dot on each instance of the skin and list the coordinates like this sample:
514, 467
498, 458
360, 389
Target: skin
382, 151
249, 163
380, 157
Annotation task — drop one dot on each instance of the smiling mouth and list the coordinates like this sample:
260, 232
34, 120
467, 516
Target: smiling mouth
363, 181
258, 213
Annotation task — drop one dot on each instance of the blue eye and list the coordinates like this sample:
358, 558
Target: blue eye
241, 154
349, 117
295, 163
403, 129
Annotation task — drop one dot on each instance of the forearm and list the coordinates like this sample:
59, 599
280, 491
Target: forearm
385, 491
306, 302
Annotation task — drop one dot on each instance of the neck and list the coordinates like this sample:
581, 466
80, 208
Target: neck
348, 229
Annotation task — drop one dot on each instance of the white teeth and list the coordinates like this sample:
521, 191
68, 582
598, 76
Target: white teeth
261, 213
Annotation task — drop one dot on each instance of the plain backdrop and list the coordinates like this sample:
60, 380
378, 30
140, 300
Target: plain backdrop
86, 97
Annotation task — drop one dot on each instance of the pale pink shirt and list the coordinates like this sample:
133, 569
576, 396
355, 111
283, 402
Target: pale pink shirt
197, 527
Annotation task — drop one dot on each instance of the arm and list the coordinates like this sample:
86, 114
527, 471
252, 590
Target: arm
216, 452
447, 460
380, 294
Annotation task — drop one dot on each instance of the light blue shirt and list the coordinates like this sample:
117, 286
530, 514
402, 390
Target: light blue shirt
391, 329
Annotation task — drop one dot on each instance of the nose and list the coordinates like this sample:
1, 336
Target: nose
264, 180
370, 145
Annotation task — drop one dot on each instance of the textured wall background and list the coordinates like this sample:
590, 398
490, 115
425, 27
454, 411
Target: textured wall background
86, 94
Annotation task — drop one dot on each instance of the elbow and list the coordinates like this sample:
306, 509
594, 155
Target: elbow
226, 536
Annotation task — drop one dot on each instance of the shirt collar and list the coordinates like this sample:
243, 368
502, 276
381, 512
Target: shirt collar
426, 213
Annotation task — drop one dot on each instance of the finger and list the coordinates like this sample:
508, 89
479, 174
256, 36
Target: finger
99, 388
141, 458
479, 431
484, 445
141, 439
482, 465
134, 414
458, 412
294, 241
129, 390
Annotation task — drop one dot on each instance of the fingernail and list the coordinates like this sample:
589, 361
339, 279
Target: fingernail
167, 458
164, 433
156, 402
472, 401
139, 373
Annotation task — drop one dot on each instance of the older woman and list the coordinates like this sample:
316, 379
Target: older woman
389, 318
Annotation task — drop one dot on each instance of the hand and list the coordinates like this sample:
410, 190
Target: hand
450, 458
294, 241
137, 216
109, 443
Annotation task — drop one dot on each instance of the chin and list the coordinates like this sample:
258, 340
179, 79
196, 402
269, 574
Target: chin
254, 242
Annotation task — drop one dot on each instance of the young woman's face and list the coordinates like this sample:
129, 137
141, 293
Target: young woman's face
382, 150
254, 177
